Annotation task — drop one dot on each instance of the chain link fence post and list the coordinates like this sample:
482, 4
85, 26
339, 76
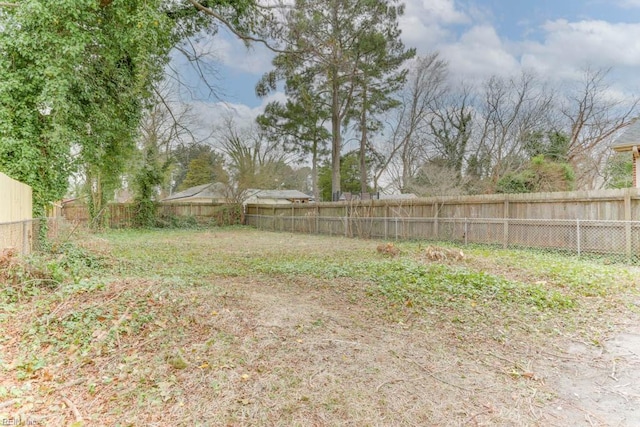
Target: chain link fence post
579, 248
25, 238
466, 232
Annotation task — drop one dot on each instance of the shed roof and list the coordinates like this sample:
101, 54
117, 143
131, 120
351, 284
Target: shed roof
404, 196
629, 138
214, 190
281, 194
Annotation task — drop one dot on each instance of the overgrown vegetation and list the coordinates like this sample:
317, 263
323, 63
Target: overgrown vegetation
149, 324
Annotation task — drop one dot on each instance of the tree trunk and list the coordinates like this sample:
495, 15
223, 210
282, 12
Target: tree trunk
314, 172
363, 143
336, 144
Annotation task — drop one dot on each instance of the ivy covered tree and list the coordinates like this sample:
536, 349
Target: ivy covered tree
75, 77
618, 172
540, 174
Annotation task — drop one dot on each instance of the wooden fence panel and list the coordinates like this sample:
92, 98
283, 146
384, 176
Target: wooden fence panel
16, 207
122, 215
606, 221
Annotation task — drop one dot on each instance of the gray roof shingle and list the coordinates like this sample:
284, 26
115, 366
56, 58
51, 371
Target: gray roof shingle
281, 194
213, 190
629, 138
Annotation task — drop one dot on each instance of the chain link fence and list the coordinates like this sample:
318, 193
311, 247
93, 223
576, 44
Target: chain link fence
613, 238
30, 235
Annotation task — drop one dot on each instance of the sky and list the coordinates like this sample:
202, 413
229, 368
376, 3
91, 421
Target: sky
557, 39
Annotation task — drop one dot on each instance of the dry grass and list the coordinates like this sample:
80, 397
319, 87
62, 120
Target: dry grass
239, 327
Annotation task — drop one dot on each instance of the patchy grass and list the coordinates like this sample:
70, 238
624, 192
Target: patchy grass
235, 326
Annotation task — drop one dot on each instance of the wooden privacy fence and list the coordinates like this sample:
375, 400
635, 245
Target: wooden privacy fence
122, 215
596, 222
15, 215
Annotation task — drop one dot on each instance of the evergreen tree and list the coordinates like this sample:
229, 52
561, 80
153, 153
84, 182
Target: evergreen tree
334, 46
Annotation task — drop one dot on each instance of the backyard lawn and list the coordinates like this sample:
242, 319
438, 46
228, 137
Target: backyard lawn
240, 327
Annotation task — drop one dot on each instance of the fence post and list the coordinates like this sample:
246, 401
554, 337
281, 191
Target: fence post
466, 232
386, 222
505, 236
346, 221
435, 220
627, 224
25, 238
396, 220
578, 236
317, 219
293, 218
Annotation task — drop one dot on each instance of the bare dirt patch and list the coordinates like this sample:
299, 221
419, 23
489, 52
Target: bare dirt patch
197, 329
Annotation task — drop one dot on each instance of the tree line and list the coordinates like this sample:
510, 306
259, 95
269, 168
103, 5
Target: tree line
84, 94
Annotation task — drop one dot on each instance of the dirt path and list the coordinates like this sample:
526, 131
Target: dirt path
347, 365
600, 386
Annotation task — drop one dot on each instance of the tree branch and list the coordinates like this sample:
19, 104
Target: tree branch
231, 28
3, 4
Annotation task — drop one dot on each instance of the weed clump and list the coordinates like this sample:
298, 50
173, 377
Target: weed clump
27, 276
436, 253
14, 270
388, 249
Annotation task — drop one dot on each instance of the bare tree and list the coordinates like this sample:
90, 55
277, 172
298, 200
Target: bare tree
436, 178
450, 127
510, 111
255, 161
404, 150
165, 126
593, 116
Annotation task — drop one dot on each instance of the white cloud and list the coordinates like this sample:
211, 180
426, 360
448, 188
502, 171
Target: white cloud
478, 54
569, 47
425, 23
212, 115
466, 38
443, 12
629, 4
230, 51
421, 35
255, 59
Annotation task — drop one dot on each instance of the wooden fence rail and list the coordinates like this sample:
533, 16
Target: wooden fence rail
605, 221
122, 215
15, 212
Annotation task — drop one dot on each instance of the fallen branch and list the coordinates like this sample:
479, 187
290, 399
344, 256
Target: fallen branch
436, 378
71, 383
389, 382
74, 409
613, 372
9, 402
344, 342
473, 418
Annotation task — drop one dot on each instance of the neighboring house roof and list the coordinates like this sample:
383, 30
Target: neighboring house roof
281, 194
123, 195
630, 137
406, 196
214, 190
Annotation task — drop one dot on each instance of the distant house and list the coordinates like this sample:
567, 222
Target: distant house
276, 197
407, 196
629, 141
214, 192
346, 196
123, 195
217, 193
